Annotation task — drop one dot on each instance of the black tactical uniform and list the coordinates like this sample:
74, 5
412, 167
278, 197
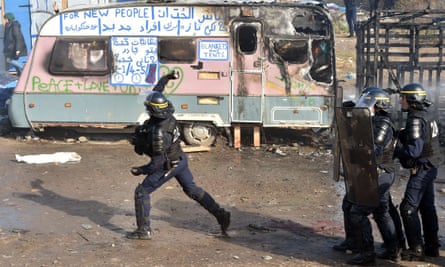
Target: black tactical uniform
383, 130
359, 229
158, 138
416, 151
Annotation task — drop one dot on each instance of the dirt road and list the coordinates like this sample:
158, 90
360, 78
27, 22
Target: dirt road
286, 209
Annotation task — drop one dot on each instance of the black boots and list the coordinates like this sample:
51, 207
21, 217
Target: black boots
140, 233
432, 251
345, 246
207, 201
413, 254
363, 259
432, 245
392, 253
223, 218
389, 254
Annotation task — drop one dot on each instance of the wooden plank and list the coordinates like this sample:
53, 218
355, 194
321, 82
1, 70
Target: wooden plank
237, 136
256, 136
189, 149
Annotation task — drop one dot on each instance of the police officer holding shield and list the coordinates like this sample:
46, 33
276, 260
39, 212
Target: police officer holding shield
379, 104
360, 229
416, 152
382, 125
158, 138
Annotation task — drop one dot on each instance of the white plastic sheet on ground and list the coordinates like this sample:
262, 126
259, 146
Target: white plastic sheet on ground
58, 157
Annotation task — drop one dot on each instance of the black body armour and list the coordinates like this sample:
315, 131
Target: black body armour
382, 126
149, 138
414, 131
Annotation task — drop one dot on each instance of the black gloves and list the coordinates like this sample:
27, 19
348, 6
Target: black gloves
136, 171
173, 75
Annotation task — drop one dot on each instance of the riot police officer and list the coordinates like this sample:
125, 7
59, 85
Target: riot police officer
416, 152
381, 118
159, 138
379, 103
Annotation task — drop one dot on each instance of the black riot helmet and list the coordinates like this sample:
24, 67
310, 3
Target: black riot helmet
157, 105
374, 96
415, 95
368, 89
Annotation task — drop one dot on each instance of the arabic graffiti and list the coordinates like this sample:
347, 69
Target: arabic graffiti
134, 59
167, 21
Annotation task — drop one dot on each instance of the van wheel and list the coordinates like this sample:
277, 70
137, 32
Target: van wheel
203, 134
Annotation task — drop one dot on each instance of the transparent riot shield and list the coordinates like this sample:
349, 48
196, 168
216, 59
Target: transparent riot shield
358, 160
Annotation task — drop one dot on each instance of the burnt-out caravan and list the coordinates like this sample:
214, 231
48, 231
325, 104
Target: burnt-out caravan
267, 64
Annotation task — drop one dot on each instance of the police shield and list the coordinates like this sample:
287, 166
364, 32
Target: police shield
355, 138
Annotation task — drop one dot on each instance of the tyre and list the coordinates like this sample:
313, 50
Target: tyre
203, 134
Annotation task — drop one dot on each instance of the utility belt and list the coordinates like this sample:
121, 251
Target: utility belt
172, 163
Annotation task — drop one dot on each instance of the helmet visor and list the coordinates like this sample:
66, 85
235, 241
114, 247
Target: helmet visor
366, 101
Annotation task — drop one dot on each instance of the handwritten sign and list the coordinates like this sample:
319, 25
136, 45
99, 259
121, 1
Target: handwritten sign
134, 59
66, 86
213, 50
142, 20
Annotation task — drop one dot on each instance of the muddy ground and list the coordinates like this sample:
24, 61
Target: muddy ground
286, 208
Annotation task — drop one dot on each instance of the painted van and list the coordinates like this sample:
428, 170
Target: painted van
270, 64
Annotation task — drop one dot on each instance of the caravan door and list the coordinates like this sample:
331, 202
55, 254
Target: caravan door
247, 72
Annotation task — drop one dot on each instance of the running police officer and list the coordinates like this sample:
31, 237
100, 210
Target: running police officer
415, 151
158, 138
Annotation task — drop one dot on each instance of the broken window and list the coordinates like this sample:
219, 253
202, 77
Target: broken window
246, 36
291, 51
311, 23
321, 69
80, 56
177, 50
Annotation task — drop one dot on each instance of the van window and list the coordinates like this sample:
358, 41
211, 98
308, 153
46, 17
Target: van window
80, 56
321, 69
177, 50
291, 51
246, 36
